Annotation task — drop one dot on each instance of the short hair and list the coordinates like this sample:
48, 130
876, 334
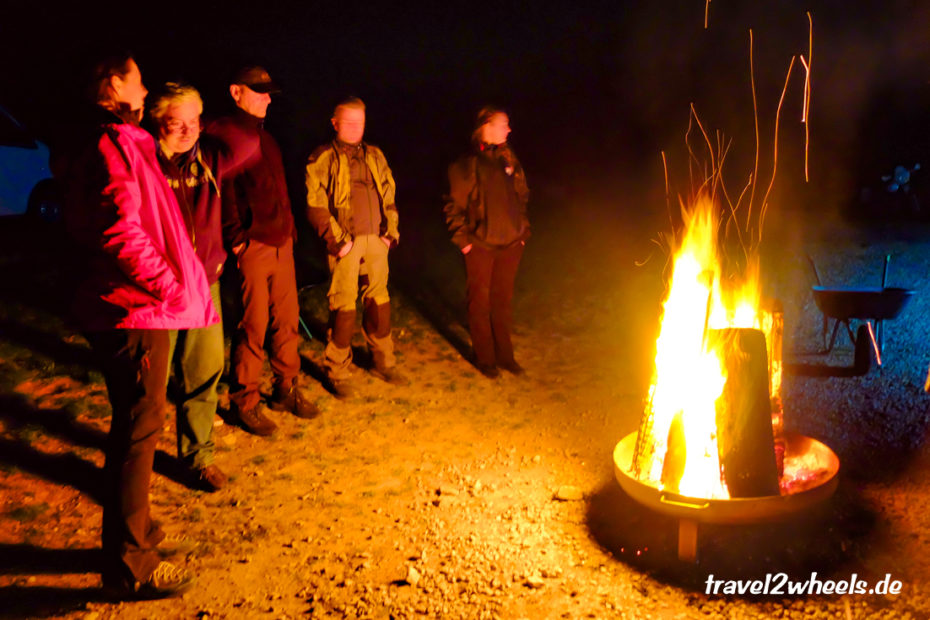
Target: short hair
173, 93
114, 64
349, 102
484, 117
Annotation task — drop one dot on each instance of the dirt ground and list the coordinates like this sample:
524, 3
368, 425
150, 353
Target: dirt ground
456, 497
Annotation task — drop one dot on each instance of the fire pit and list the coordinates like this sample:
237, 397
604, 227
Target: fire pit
711, 445
810, 478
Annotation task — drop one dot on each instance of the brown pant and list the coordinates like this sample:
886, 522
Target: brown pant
491, 274
268, 287
135, 367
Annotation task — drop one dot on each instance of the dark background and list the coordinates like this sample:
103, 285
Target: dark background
596, 90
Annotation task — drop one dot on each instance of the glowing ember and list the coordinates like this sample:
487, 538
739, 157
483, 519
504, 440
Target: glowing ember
677, 449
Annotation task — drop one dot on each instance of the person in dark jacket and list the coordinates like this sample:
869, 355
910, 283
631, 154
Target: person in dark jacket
486, 214
143, 279
259, 228
194, 168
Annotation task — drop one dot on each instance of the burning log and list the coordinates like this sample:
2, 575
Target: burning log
745, 439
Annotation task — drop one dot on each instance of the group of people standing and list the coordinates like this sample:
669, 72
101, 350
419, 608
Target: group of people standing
158, 220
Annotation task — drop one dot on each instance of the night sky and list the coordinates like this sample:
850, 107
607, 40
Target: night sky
595, 89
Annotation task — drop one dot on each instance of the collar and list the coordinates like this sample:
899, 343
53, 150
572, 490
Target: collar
247, 119
349, 149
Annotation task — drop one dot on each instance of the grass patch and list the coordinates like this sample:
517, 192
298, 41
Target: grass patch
258, 459
24, 514
97, 410
28, 433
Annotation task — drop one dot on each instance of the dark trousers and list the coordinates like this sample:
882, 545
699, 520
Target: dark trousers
135, 367
491, 274
268, 286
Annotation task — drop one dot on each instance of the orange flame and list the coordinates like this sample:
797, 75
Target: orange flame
689, 375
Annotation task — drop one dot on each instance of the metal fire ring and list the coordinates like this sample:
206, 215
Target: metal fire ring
740, 510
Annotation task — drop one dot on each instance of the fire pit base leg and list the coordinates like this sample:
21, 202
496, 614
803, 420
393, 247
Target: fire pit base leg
687, 540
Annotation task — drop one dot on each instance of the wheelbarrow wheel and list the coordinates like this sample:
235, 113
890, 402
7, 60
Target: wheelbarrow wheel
863, 359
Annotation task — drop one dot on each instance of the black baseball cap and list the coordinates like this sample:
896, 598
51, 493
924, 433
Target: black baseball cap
256, 78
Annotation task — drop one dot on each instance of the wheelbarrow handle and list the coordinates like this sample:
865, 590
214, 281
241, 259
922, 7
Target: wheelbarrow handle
885, 270
814, 267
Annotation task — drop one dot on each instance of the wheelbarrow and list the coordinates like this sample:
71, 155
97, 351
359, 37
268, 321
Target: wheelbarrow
868, 305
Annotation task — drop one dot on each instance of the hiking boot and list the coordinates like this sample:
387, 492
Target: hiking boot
292, 399
513, 368
256, 422
167, 580
390, 375
342, 388
488, 370
210, 478
173, 545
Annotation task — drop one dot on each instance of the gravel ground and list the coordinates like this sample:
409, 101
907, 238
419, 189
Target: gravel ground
462, 498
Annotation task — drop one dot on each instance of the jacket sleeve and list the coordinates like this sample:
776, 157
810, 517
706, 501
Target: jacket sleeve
318, 214
234, 233
523, 193
236, 151
388, 192
456, 208
123, 236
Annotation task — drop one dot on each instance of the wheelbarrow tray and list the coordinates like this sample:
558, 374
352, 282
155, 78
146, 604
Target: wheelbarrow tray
844, 303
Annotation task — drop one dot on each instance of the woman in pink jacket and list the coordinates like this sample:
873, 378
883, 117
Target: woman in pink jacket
143, 279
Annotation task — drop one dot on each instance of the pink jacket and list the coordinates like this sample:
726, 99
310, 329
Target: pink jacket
142, 269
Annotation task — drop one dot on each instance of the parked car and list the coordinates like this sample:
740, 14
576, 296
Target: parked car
26, 183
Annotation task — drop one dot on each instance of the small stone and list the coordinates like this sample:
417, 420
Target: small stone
413, 576
569, 494
534, 582
446, 490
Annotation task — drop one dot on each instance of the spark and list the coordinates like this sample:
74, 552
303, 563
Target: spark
807, 93
755, 117
706, 13
668, 207
765, 199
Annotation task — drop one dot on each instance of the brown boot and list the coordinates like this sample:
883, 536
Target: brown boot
256, 422
290, 398
338, 352
376, 325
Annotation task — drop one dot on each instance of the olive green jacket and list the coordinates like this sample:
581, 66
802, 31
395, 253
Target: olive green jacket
329, 210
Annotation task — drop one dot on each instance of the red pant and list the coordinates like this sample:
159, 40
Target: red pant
491, 274
269, 301
135, 366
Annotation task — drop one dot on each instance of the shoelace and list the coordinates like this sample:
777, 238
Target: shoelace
166, 573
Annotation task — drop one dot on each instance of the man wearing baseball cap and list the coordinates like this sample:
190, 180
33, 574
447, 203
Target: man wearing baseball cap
259, 229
